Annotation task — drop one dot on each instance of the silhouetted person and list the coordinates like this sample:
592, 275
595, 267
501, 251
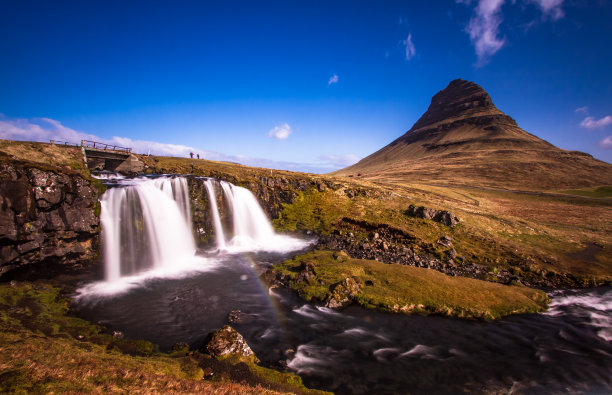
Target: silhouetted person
191, 154
198, 156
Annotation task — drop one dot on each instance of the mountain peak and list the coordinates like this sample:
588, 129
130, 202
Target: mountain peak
459, 99
464, 139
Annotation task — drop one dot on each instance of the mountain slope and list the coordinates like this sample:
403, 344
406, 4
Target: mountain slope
464, 139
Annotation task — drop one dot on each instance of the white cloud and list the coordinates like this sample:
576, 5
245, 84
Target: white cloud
592, 123
339, 161
45, 129
550, 8
333, 79
410, 51
280, 132
483, 29
606, 143
582, 110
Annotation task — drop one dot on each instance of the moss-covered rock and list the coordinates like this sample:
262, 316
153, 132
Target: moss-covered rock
227, 341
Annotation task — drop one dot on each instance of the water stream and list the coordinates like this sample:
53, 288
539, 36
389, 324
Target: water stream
354, 351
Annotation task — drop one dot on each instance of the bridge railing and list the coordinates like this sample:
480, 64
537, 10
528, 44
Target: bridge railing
104, 146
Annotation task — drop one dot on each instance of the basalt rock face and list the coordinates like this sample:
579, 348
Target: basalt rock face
464, 139
48, 220
460, 99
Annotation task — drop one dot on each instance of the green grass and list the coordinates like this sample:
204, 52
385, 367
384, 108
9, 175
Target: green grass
595, 192
406, 289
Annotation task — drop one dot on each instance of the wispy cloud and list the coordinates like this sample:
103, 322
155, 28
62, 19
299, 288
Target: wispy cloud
483, 29
46, 129
280, 132
484, 26
333, 79
550, 8
410, 50
606, 143
339, 161
592, 123
582, 110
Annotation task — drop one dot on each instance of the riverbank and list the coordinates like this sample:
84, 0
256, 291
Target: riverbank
44, 349
336, 280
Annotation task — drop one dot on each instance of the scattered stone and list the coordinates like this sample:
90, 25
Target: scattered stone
307, 272
208, 372
227, 341
442, 216
341, 256
239, 317
446, 241
180, 346
343, 293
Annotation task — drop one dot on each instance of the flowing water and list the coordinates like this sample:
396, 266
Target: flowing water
565, 350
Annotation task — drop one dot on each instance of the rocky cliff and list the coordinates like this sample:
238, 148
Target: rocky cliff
48, 219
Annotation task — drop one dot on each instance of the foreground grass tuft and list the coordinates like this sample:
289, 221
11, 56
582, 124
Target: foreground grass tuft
406, 289
44, 350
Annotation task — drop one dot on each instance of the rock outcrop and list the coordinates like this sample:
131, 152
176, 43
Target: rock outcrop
48, 219
442, 216
227, 341
343, 293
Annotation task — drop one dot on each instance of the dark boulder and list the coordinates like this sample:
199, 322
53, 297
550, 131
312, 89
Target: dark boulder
442, 216
227, 341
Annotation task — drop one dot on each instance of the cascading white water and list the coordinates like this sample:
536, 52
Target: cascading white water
146, 232
220, 236
146, 225
250, 222
252, 229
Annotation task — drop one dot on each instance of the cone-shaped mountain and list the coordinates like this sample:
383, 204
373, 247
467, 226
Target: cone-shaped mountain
464, 139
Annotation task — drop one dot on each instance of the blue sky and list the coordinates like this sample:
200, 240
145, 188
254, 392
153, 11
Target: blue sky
301, 85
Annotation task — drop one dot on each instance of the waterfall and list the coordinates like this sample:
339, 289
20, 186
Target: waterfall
210, 188
251, 226
146, 225
147, 231
252, 229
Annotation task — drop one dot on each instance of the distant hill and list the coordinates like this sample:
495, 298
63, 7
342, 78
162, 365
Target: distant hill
463, 139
